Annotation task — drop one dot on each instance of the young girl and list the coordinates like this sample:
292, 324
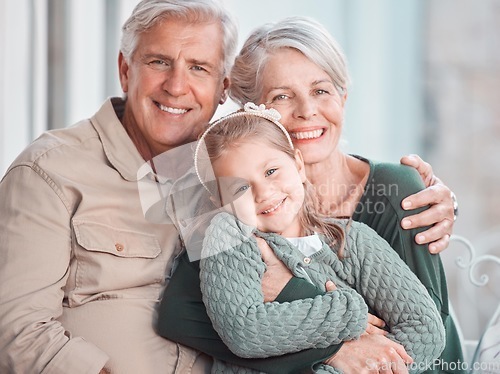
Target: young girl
260, 180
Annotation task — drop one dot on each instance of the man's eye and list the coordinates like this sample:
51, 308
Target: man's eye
270, 172
157, 62
198, 68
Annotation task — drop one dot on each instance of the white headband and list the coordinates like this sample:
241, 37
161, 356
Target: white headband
249, 109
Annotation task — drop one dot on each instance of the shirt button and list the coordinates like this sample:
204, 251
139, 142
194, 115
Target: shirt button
307, 260
119, 247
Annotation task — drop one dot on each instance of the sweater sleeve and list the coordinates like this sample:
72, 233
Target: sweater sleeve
395, 294
231, 272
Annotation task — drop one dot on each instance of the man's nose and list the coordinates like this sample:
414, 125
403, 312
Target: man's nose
176, 82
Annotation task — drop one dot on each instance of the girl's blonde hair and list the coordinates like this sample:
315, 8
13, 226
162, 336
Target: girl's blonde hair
231, 132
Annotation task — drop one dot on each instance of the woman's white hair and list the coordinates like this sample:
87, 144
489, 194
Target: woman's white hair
301, 33
148, 12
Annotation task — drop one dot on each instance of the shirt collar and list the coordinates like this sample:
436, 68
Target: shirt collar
307, 245
118, 147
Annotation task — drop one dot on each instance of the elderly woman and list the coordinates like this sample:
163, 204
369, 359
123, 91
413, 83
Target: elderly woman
296, 67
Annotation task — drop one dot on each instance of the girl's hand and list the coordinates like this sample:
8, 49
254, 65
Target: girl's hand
441, 213
375, 324
330, 286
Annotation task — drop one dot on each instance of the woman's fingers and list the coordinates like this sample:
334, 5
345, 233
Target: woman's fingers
439, 216
375, 325
423, 168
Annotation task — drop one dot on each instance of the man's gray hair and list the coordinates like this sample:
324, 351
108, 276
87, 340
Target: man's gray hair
148, 12
301, 33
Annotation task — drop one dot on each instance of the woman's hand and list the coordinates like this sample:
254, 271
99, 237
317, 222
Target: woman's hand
375, 324
441, 213
371, 353
277, 275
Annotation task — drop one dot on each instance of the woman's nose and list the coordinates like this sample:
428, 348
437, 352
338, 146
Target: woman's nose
304, 108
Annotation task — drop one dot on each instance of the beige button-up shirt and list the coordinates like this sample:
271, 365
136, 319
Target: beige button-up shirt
81, 268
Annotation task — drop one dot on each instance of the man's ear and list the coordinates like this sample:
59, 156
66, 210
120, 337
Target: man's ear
299, 162
123, 71
225, 85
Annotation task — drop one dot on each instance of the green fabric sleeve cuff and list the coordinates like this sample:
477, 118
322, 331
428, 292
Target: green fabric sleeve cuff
296, 289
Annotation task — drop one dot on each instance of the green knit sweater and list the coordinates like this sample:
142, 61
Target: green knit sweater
370, 276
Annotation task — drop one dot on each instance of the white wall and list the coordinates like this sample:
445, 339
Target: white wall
16, 73
380, 39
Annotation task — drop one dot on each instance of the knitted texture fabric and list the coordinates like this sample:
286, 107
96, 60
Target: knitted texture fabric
231, 272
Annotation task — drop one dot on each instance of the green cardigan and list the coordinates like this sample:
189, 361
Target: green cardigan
182, 314
231, 271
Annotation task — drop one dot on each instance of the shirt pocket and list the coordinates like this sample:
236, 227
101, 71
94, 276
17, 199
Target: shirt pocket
111, 262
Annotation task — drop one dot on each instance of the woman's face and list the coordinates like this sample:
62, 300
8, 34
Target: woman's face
312, 109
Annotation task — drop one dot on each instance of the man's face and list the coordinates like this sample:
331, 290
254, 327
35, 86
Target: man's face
174, 82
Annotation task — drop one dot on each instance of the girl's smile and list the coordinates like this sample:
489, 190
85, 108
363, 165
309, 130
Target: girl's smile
264, 186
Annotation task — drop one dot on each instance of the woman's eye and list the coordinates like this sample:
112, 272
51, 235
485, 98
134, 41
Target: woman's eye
322, 92
270, 172
280, 97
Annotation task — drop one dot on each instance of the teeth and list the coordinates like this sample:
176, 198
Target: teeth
274, 208
172, 110
307, 134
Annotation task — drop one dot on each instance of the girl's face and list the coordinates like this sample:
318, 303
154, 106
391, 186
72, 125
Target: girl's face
312, 110
262, 186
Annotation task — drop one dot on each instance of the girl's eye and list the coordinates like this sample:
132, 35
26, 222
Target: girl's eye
270, 172
241, 189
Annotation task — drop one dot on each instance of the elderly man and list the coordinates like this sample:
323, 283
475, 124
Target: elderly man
81, 268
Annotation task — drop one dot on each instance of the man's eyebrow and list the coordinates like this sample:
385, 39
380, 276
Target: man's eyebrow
159, 56
201, 63
194, 61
